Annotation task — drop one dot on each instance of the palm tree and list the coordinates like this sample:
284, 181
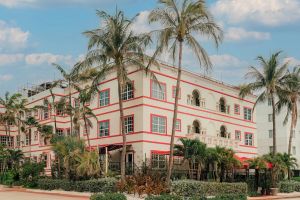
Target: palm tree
194, 152
15, 156
257, 163
70, 79
88, 164
289, 96
289, 162
83, 112
14, 106
279, 167
114, 46
181, 20
267, 82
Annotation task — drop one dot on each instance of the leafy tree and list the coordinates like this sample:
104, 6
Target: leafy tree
181, 21
88, 164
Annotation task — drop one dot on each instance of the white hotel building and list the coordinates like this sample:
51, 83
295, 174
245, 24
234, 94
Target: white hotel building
265, 131
209, 110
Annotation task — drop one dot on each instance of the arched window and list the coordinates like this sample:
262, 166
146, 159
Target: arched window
196, 127
223, 131
222, 105
196, 98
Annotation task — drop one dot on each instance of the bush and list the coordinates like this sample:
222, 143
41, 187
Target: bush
287, 186
108, 196
164, 197
94, 186
188, 188
296, 178
230, 197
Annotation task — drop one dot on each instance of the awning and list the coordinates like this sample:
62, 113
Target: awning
243, 160
111, 147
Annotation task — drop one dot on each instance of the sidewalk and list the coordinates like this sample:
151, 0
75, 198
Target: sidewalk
293, 195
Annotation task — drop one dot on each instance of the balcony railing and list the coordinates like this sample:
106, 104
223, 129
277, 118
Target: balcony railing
214, 140
223, 108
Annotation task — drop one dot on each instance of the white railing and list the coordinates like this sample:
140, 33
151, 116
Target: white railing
214, 140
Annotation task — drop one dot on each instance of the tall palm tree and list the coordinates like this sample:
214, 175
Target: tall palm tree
114, 46
289, 96
83, 112
181, 21
267, 82
70, 79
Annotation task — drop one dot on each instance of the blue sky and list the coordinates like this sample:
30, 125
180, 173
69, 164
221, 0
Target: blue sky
35, 33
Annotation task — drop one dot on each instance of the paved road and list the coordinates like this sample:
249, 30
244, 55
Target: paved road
14, 195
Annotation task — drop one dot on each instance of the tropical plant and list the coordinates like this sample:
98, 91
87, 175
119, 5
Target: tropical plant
279, 168
88, 164
181, 20
289, 162
83, 112
194, 152
289, 96
267, 82
68, 148
114, 46
15, 157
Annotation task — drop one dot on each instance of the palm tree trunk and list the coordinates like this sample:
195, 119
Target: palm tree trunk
171, 157
123, 154
70, 105
291, 129
274, 124
87, 133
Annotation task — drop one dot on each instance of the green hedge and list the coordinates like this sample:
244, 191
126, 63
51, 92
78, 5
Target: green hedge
94, 186
188, 188
163, 197
289, 186
218, 197
108, 196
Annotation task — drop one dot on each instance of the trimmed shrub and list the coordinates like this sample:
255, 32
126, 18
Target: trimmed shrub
108, 196
287, 186
188, 188
94, 186
230, 197
163, 197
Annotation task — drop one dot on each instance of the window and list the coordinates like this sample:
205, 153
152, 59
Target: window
104, 98
6, 140
27, 139
18, 141
270, 133
46, 113
129, 124
294, 150
128, 92
196, 98
36, 136
158, 161
59, 111
158, 124
158, 90
104, 128
196, 127
271, 149
60, 132
178, 125
174, 92
270, 117
222, 105
238, 135
236, 109
249, 139
76, 103
269, 102
247, 114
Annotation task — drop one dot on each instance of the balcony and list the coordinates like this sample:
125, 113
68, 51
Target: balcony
214, 140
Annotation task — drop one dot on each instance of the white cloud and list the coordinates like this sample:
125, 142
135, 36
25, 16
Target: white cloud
47, 58
237, 34
6, 59
226, 60
12, 38
141, 24
5, 77
266, 12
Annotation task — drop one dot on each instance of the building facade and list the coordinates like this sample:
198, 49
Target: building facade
208, 110
265, 131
